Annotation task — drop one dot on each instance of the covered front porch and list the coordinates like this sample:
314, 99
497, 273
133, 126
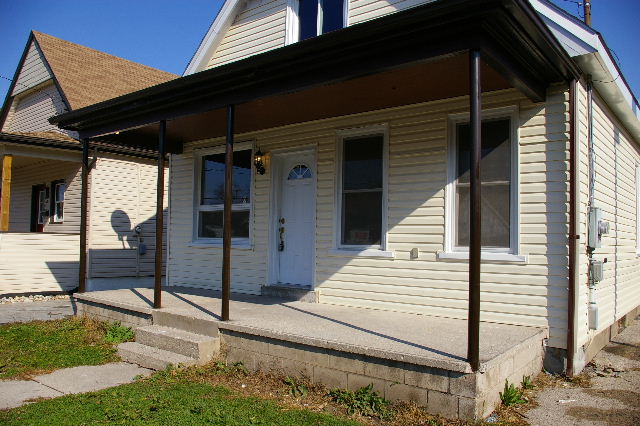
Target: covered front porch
405, 356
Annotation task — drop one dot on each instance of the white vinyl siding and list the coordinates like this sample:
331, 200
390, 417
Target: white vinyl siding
34, 71
31, 111
365, 10
532, 293
36, 262
258, 27
123, 195
43, 172
616, 159
261, 25
582, 283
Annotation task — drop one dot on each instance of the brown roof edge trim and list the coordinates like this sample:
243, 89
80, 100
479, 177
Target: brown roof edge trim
74, 146
241, 75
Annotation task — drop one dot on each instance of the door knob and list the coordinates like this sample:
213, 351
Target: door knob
281, 220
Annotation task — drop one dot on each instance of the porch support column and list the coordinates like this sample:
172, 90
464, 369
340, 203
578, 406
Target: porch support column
226, 221
5, 192
84, 214
162, 150
473, 348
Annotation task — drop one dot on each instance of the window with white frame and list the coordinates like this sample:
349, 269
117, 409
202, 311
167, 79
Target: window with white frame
311, 18
361, 198
210, 196
57, 201
498, 173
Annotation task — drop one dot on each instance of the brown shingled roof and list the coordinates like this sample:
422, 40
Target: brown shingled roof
87, 76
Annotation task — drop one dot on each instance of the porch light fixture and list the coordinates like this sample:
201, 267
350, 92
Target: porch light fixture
258, 161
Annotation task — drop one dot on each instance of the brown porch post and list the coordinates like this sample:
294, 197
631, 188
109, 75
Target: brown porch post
473, 348
84, 207
157, 285
226, 221
5, 192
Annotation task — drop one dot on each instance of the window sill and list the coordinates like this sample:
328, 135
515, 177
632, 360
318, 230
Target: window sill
485, 256
362, 253
218, 245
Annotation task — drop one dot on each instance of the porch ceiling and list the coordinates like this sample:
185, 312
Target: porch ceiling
407, 57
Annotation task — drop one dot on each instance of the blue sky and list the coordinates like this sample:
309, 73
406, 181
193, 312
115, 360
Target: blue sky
165, 33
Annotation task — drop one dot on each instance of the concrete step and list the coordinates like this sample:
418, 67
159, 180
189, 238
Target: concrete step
150, 357
198, 346
289, 292
200, 324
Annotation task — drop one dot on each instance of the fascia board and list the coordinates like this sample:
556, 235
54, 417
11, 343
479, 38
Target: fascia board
214, 36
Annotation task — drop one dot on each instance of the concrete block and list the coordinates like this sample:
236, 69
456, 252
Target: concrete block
470, 408
351, 363
329, 377
357, 381
463, 384
392, 371
442, 403
245, 341
248, 358
297, 369
309, 354
402, 392
426, 377
268, 363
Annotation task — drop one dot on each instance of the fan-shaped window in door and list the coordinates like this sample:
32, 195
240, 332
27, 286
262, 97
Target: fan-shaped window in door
300, 172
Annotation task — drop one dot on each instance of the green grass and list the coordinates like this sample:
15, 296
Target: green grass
162, 400
42, 346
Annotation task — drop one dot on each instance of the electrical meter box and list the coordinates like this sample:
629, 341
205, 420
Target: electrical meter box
597, 271
597, 227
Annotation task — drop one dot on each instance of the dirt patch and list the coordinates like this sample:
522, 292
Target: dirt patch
612, 417
627, 397
273, 386
625, 350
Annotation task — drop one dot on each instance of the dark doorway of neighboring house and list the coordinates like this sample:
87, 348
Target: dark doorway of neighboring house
39, 207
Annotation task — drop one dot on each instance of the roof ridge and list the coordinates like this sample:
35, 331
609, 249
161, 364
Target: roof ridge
37, 34
87, 76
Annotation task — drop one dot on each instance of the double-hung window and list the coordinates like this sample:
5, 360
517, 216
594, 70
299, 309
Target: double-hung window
498, 174
311, 18
361, 192
57, 201
210, 196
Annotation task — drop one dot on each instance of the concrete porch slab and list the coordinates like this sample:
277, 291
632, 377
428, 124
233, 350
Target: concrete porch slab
422, 340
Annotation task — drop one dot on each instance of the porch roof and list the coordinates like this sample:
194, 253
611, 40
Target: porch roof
514, 40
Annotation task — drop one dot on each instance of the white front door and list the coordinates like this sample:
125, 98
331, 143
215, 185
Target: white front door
295, 226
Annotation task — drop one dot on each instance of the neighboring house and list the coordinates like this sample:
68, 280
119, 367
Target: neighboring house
41, 172
367, 133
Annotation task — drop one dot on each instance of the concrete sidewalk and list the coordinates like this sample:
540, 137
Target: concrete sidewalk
14, 393
32, 311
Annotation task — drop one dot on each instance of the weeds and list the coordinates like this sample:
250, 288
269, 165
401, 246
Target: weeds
511, 395
527, 383
238, 368
296, 389
364, 401
117, 333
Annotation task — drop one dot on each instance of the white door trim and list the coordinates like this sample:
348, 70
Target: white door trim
274, 209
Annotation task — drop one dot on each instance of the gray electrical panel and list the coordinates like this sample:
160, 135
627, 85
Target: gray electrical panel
597, 271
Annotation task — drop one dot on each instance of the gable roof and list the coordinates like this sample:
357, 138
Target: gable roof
214, 36
87, 76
